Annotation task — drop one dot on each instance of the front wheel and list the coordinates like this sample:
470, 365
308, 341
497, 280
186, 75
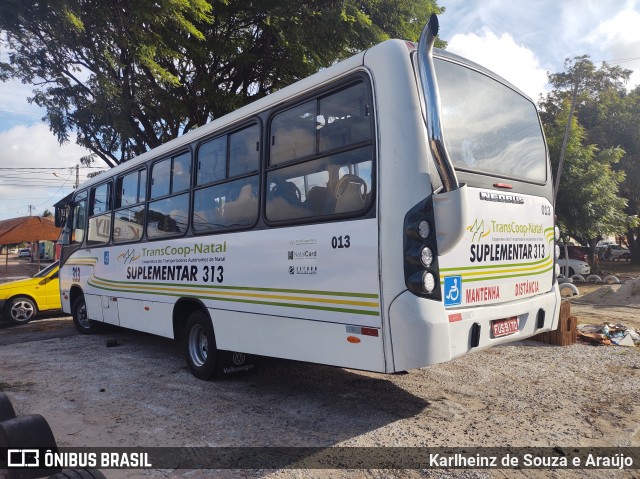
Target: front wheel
200, 348
20, 310
80, 319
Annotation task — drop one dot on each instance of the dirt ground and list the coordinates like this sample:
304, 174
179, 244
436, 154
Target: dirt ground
140, 393
614, 303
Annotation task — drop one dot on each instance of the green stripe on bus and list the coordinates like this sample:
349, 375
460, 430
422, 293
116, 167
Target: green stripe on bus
498, 266
506, 276
267, 303
247, 288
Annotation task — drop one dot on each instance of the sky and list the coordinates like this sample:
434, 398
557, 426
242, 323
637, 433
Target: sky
521, 41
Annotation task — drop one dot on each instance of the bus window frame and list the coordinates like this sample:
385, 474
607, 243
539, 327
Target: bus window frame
80, 196
369, 210
144, 167
189, 191
226, 132
109, 212
485, 177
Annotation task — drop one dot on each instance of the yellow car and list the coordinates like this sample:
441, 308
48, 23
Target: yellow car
20, 301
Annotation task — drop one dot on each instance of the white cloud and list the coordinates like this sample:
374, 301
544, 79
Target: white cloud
516, 63
35, 147
618, 38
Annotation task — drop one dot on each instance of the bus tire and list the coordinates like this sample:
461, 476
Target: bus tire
200, 348
78, 474
6, 408
20, 310
83, 324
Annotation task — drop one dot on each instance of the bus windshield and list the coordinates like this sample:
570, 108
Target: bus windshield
488, 127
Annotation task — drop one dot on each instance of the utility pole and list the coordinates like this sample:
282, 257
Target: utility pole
31, 207
77, 177
578, 73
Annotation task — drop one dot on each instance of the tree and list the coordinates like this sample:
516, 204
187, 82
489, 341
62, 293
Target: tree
47, 213
129, 76
601, 174
588, 204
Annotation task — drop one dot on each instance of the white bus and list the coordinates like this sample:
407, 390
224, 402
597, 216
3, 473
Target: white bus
390, 212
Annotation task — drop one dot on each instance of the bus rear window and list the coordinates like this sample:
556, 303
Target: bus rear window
488, 127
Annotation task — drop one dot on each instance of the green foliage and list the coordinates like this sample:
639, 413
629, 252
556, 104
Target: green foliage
599, 192
588, 205
129, 76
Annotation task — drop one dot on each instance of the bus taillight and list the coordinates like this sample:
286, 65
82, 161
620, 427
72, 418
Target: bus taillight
420, 251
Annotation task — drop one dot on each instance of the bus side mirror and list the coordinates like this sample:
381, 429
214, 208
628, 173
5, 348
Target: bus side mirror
61, 216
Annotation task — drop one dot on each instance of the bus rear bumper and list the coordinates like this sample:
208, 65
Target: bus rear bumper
423, 332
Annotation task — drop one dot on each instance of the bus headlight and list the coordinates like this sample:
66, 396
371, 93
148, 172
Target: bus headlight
426, 257
428, 282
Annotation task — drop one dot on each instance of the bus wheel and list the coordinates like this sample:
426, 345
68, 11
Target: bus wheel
80, 319
200, 348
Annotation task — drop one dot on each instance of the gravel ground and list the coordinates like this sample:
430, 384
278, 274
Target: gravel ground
141, 394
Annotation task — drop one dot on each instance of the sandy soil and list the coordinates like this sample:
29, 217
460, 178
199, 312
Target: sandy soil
611, 303
524, 394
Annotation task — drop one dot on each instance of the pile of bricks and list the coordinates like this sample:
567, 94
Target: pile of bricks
567, 332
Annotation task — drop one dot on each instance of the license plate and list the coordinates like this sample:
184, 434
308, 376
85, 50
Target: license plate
504, 327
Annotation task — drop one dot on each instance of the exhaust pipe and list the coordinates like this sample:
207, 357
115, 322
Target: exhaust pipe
452, 202
432, 105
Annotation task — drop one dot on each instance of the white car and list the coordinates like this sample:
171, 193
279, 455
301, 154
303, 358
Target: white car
24, 252
619, 253
575, 266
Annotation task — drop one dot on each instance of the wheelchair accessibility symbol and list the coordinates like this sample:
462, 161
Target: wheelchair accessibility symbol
452, 290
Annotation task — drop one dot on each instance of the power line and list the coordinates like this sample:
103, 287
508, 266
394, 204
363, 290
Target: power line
14, 168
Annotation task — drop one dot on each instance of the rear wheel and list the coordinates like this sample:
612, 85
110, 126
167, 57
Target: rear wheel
20, 310
200, 348
80, 319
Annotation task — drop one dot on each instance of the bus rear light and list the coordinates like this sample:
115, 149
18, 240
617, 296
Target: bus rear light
421, 270
353, 339
424, 229
364, 331
428, 282
506, 186
369, 332
426, 257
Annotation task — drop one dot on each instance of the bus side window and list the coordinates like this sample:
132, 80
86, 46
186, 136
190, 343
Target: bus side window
79, 220
344, 118
244, 151
129, 214
99, 230
230, 164
293, 133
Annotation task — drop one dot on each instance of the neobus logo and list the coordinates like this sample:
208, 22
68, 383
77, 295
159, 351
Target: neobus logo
501, 198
